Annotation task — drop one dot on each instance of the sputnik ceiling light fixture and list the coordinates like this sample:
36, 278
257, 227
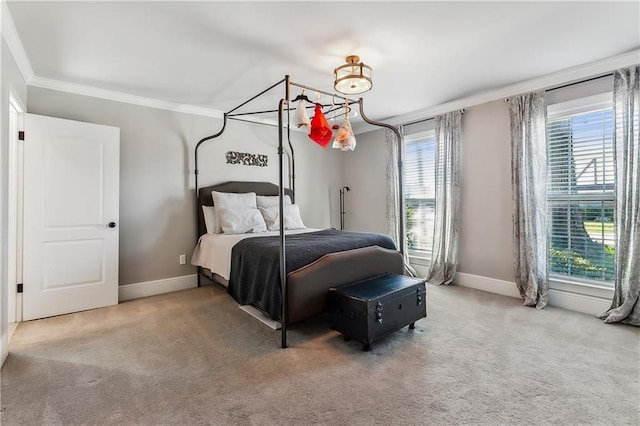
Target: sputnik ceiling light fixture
352, 78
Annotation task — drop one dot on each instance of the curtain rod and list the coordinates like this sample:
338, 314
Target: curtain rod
422, 120
578, 82
551, 89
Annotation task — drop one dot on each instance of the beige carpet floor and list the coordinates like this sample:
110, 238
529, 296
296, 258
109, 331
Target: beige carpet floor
193, 358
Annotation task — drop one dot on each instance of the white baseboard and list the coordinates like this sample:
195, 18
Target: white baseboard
583, 303
11, 328
589, 305
487, 284
152, 288
4, 348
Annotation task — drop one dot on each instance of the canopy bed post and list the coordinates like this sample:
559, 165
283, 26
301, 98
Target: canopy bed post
196, 172
283, 261
292, 158
400, 174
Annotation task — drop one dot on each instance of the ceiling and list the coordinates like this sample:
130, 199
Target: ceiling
218, 54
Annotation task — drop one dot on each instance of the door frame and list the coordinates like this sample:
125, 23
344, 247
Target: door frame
15, 195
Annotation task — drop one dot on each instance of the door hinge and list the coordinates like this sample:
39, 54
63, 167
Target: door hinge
20, 288
21, 135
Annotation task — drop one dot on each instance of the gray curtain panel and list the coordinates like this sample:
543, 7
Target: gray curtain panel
529, 181
444, 258
392, 214
625, 306
393, 196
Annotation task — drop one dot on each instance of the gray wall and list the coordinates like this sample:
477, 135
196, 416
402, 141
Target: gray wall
364, 172
157, 211
485, 235
486, 244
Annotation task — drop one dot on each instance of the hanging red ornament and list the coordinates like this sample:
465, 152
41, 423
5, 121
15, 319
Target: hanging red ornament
320, 131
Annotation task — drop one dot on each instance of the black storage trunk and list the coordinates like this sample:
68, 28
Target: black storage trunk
370, 309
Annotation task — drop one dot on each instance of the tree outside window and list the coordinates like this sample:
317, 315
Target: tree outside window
419, 192
581, 195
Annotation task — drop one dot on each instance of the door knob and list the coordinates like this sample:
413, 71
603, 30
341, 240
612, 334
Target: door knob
112, 224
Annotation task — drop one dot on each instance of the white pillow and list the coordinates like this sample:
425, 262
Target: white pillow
241, 220
210, 220
229, 200
292, 219
271, 200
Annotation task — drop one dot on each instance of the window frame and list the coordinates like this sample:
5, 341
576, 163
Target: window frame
566, 109
419, 257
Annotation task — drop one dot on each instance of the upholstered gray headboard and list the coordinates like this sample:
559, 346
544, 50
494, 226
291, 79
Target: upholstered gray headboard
206, 199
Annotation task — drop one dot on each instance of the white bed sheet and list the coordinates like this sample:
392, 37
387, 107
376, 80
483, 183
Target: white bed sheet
213, 251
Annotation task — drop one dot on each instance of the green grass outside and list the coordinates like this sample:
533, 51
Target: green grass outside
597, 227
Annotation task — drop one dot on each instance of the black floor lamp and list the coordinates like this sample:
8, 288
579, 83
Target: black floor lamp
342, 212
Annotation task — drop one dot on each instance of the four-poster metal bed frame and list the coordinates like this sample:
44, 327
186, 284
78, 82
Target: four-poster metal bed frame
283, 105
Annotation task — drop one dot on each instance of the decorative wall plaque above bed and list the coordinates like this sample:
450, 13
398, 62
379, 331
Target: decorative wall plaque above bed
246, 159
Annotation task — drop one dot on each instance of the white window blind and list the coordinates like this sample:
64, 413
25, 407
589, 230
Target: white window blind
581, 181
419, 192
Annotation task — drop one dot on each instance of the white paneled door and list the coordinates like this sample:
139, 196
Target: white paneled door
71, 190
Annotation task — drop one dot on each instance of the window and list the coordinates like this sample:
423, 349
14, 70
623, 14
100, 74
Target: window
581, 180
419, 192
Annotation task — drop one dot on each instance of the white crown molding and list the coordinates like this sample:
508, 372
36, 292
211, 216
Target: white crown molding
12, 38
112, 95
567, 76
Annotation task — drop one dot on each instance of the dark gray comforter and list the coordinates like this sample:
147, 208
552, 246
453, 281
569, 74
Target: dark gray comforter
255, 262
